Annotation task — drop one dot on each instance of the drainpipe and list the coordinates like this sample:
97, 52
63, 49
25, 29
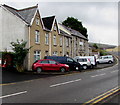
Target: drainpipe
63, 45
29, 47
50, 44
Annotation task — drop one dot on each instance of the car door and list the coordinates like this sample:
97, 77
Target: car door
45, 65
54, 65
71, 63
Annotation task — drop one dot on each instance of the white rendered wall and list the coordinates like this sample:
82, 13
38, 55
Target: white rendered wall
0, 28
13, 28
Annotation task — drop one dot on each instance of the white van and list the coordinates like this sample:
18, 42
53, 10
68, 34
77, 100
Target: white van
85, 63
105, 59
92, 60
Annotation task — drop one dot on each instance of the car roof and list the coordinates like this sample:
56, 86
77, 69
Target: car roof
45, 60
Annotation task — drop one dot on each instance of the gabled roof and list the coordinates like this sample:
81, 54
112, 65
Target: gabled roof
48, 22
26, 14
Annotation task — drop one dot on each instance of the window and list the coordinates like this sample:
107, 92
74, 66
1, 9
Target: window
37, 36
55, 53
37, 21
54, 40
37, 55
46, 53
52, 62
67, 42
60, 53
60, 41
44, 62
55, 28
47, 38
81, 43
69, 60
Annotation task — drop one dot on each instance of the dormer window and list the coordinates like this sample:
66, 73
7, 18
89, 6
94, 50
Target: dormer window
55, 28
37, 21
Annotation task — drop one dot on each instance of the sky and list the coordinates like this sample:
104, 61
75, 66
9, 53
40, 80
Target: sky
100, 18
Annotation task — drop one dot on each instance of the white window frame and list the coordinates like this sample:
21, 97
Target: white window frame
37, 36
67, 42
61, 41
37, 21
47, 38
46, 53
54, 40
55, 53
37, 55
55, 28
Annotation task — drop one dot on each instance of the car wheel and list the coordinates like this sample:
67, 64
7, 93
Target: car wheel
110, 62
62, 70
39, 70
97, 62
84, 67
77, 68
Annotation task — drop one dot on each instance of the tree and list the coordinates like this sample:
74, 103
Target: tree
20, 53
76, 25
95, 46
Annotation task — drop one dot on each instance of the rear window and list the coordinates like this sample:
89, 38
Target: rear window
82, 60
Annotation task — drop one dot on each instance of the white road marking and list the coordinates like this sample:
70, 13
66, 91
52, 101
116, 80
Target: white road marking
14, 94
65, 83
114, 71
98, 75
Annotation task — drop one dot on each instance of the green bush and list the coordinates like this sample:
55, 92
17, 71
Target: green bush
20, 52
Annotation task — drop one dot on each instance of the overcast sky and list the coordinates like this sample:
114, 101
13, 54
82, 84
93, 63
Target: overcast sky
100, 18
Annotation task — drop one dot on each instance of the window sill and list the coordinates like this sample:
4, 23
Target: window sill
54, 45
38, 43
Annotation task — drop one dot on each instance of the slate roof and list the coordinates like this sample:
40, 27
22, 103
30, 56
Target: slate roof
28, 13
48, 22
75, 33
25, 14
64, 33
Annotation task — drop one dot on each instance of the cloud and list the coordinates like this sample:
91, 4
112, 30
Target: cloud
100, 18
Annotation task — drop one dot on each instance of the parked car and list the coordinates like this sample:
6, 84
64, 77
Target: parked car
66, 60
85, 62
3, 64
92, 60
48, 64
105, 59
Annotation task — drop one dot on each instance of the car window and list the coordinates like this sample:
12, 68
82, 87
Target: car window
52, 62
105, 57
44, 62
69, 60
82, 60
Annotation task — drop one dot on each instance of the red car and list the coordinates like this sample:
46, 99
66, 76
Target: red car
48, 64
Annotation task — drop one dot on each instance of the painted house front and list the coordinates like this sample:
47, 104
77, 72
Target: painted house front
12, 28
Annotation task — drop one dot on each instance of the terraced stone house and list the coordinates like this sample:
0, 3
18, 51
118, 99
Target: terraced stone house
43, 34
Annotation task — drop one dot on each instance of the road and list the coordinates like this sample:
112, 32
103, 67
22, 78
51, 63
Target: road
70, 88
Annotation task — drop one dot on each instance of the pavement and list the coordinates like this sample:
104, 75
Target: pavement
11, 76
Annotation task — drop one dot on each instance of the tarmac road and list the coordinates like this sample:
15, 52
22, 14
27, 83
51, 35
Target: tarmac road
70, 88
